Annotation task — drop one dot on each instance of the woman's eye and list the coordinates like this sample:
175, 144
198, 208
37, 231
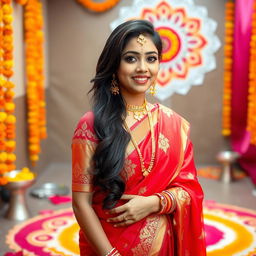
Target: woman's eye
152, 59
130, 59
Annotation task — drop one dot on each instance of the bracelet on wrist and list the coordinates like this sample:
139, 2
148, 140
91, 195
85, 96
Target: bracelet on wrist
113, 252
167, 202
173, 202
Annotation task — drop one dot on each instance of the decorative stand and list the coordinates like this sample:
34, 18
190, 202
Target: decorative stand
18, 209
227, 159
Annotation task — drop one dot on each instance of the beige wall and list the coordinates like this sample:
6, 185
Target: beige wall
76, 38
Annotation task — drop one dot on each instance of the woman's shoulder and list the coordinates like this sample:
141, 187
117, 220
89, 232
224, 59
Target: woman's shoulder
172, 115
87, 118
84, 128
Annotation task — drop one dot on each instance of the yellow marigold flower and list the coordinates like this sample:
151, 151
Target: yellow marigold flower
25, 169
2, 81
7, 9
8, 64
3, 157
34, 148
7, 19
9, 106
10, 143
11, 119
11, 158
3, 116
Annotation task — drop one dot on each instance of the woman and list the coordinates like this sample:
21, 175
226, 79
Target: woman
135, 190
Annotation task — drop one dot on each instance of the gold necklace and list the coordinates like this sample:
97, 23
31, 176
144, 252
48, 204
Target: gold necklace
138, 111
145, 171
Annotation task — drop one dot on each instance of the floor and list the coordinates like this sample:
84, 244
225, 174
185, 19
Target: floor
238, 193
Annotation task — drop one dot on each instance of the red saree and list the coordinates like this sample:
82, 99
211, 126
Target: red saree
178, 234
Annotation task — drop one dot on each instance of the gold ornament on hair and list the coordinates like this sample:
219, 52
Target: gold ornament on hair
141, 40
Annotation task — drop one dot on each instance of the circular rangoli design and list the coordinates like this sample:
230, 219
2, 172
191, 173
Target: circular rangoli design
230, 231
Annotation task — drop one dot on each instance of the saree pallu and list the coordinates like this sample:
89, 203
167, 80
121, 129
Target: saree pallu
178, 234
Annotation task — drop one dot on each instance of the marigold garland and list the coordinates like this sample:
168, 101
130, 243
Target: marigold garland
7, 106
251, 114
98, 6
34, 39
228, 51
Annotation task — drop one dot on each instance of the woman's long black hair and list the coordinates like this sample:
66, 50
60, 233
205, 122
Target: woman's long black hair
109, 110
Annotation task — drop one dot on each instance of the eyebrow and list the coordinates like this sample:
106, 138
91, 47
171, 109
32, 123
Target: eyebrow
138, 53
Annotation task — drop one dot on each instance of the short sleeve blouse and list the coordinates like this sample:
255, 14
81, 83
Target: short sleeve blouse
83, 146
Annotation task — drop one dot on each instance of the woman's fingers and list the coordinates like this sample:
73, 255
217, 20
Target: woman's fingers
128, 197
120, 218
124, 223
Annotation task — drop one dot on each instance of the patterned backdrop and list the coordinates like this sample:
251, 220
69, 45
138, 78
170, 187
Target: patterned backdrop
188, 39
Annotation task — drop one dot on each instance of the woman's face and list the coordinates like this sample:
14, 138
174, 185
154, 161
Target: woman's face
138, 67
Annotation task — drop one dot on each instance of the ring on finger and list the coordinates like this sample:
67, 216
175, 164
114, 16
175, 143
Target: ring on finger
125, 218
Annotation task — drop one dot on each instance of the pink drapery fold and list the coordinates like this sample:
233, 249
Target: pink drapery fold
240, 137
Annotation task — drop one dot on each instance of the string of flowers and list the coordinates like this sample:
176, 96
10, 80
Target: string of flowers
228, 50
7, 106
251, 114
34, 38
98, 6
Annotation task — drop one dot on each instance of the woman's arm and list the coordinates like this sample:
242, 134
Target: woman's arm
137, 208
89, 222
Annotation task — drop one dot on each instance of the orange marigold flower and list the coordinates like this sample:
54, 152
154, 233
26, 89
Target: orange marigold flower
22, 2
3, 168
8, 73
9, 85
34, 157
9, 94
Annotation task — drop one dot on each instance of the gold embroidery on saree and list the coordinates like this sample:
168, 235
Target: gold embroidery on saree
190, 176
163, 142
183, 196
142, 190
166, 110
83, 131
128, 170
147, 236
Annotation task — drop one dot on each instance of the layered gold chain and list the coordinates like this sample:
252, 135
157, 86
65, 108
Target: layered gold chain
145, 171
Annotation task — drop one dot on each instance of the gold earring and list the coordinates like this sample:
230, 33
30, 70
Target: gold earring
153, 88
114, 86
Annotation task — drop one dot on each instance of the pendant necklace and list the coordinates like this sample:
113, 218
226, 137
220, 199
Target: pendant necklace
138, 111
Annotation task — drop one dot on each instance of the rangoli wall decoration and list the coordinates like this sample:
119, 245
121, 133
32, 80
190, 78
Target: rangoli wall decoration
189, 40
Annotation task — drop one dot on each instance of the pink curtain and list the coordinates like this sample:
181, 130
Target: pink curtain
240, 138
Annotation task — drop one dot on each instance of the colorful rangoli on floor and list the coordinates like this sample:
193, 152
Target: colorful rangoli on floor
230, 231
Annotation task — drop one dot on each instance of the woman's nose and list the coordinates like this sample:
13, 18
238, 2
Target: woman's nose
142, 66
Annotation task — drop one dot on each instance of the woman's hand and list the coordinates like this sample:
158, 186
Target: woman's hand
137, 208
